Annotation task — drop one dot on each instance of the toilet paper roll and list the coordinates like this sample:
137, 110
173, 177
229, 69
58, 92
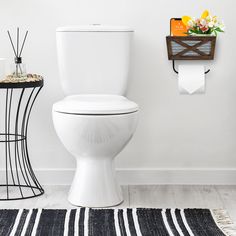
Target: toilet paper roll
2, 68
191, 79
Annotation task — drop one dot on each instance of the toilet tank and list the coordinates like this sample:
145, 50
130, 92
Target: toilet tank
94, 59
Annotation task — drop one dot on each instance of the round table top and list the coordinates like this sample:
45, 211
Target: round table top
30, 81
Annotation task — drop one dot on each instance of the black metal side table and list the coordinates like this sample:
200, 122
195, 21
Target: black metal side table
17, 178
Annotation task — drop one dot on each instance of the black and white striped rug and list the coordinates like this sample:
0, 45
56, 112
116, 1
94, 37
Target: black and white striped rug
115, 222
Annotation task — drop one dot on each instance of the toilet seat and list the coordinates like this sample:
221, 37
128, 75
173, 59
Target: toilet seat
95, 104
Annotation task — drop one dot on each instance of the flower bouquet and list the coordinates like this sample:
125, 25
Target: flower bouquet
204, 26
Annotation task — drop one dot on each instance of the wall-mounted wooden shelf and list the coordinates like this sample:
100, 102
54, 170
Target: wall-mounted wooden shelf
191, 47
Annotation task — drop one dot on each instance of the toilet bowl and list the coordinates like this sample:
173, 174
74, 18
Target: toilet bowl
94, 129
95, 120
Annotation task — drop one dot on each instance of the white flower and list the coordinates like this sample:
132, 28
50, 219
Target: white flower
211, 24
215, 19
209, 18
190, 23
220, 24
203, 22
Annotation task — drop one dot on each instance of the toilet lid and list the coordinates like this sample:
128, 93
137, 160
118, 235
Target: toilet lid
95, 104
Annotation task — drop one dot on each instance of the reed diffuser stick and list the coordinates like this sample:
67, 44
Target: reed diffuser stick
23, 42
12, 43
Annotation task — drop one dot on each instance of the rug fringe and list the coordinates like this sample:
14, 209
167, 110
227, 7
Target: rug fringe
224, 222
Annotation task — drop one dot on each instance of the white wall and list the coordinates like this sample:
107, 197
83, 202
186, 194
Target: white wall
175, 132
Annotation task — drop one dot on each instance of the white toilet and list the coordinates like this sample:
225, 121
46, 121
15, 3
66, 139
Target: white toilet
94, 121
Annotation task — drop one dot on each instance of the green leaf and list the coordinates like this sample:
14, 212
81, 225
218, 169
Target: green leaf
219, 30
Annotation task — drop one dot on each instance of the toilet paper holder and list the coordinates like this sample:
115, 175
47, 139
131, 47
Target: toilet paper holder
174, 69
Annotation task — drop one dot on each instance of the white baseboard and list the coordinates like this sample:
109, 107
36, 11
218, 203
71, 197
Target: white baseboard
144, 176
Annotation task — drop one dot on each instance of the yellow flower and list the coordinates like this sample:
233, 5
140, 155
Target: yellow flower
205, 14
186, 19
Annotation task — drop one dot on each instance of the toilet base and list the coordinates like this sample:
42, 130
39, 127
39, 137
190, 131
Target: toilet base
74, 204
95, 184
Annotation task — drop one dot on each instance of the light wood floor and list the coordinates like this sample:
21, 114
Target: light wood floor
158, 196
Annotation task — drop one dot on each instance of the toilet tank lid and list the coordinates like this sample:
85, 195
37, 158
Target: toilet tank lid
94, 28
94, 104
